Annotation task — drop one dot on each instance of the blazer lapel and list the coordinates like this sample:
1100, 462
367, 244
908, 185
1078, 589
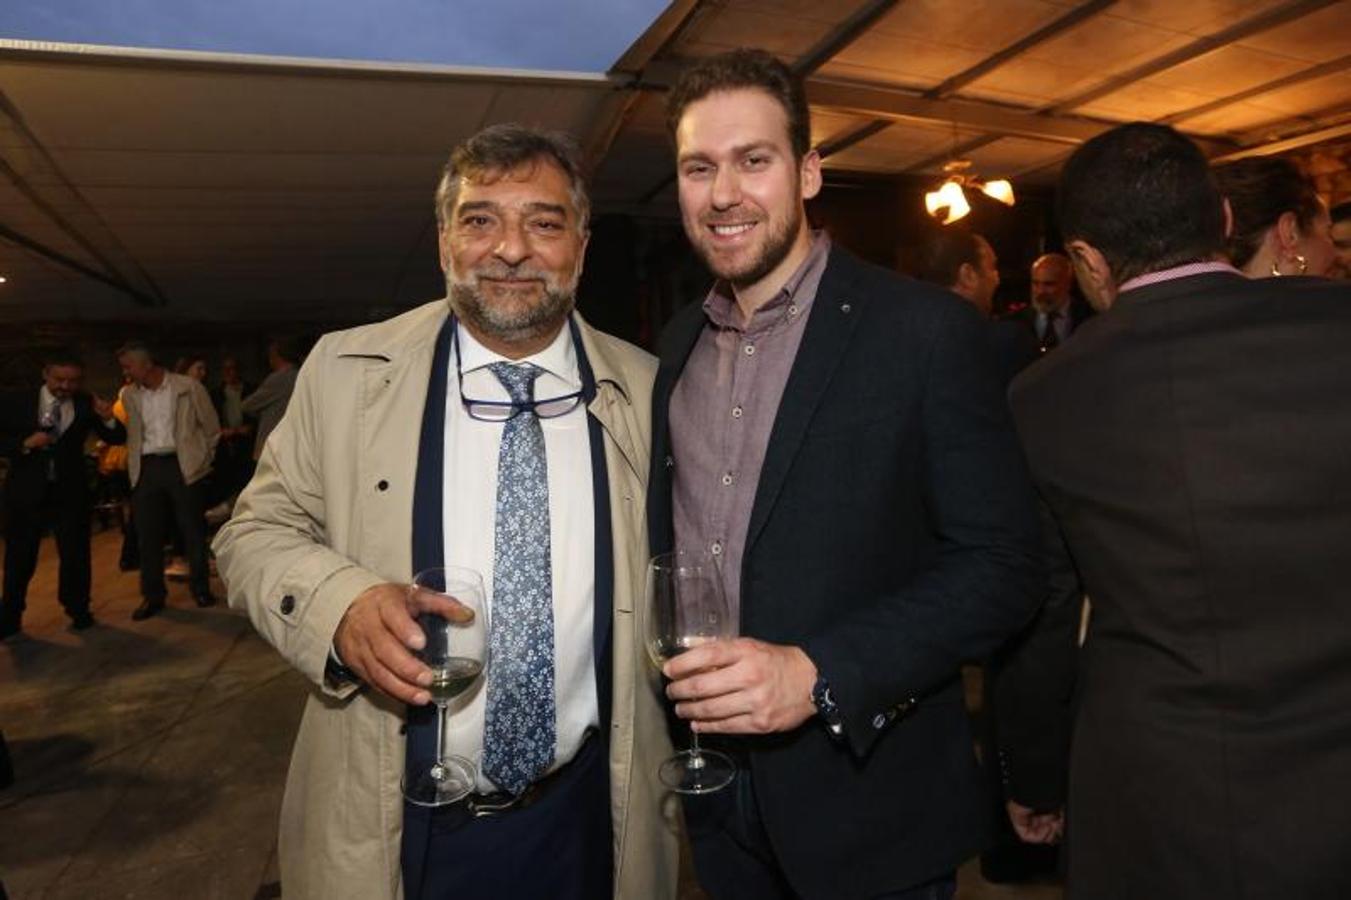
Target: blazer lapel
835, 313
681, 336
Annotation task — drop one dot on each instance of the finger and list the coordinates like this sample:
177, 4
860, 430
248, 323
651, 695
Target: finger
394, 656
705, 683
392, 685
713, 655
445, 606
396, 620
717, 709
735, 725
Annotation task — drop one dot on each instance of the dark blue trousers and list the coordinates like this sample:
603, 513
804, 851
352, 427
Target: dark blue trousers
733, 856
559, 847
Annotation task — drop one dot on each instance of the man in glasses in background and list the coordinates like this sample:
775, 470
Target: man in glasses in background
496, 431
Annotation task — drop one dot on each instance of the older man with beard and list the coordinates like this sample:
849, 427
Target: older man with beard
495, 431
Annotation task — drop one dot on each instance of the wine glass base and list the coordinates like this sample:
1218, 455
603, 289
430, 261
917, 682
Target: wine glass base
697, 772
440, 783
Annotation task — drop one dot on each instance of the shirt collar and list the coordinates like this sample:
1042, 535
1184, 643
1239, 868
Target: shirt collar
558, 359
46, 398
721, 308
1186, 270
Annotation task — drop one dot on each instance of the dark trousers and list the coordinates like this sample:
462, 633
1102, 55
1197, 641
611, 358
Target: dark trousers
69, 520
733, 856
558, 847
159, 497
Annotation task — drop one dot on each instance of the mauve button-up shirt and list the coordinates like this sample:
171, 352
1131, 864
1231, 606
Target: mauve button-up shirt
723, 409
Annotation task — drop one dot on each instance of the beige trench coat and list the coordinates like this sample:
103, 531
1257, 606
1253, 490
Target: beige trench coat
196, 427
329, 513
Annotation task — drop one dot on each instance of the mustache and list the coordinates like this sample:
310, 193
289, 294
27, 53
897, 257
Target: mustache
503, 272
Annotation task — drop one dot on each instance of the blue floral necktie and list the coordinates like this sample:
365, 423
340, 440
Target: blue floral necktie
519, 728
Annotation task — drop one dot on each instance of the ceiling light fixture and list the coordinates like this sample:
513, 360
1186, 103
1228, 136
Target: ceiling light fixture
948, 202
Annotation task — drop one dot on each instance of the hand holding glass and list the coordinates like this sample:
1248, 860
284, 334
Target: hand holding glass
450, 606
686, 606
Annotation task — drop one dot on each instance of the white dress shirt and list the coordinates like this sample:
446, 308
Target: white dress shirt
157, 419
469, 510
66, 408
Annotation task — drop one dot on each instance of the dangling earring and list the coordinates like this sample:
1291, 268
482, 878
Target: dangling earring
1276, 268
1303, 263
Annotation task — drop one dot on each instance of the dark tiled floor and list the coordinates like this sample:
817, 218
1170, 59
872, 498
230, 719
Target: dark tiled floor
151, 755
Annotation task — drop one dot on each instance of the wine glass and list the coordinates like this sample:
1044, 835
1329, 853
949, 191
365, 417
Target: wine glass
686, 606
457, 653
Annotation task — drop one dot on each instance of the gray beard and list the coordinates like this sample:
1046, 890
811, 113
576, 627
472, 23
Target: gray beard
509, 326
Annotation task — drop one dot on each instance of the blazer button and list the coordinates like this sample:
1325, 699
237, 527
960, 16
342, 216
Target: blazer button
382, 485
288, 605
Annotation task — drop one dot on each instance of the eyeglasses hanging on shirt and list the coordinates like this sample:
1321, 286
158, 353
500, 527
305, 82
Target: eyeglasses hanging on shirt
505, 410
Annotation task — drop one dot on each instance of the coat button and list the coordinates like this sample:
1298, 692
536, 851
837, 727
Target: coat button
382, 485
879, 721
845, 308
288, 605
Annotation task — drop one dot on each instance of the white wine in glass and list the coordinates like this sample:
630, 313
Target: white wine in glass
450, 606
686, 606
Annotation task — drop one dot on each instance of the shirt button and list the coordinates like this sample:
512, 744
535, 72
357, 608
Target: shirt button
716, 549
727, 478
750, 349
736, 412
792, 309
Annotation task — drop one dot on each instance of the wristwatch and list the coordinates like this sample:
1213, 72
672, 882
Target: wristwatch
826, 707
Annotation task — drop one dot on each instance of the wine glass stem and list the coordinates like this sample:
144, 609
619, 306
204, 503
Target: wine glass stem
696, 758
440, 730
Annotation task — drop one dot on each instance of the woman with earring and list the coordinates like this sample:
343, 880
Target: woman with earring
1281, 226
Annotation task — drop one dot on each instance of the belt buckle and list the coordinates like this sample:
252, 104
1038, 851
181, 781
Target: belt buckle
490, 804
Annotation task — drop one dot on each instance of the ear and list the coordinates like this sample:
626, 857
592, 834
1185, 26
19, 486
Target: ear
1286, 231
809, 174
443, 249
967, 277
1093, 273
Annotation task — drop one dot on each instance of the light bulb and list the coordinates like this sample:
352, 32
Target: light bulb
948, 196
1000, 190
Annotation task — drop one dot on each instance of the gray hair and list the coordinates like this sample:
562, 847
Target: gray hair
499, 149
136, 348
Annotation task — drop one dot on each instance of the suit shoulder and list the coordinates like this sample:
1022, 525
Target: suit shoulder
416, 326
874, 282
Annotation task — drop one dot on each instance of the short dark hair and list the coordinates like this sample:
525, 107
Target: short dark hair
499, 149
136, 348
292, 348
1144, 196
1260, 190
738, 69
943, 253
61, 356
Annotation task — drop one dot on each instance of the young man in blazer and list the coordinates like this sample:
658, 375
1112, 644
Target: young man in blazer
42, 434
837, 437
386, 464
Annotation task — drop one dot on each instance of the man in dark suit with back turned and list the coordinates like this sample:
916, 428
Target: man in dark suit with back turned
42, 434
837, 436
1192, 444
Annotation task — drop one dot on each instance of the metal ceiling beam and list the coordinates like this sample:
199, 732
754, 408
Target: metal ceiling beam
842, 36
1317, 136
1080, 13
1328, 68
61, 259
1266, 21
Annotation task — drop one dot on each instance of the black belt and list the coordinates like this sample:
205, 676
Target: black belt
477, 806
164, 455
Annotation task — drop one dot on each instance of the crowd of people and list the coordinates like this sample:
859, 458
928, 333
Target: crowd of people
1130, 505
168, 452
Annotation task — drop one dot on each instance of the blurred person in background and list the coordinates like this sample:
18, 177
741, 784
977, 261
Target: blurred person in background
1280, 225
